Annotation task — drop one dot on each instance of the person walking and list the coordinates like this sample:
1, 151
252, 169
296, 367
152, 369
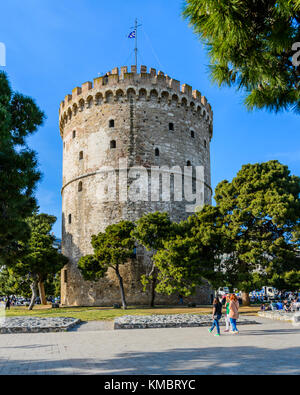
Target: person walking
233, 313
7, 304
216, 315
227, 311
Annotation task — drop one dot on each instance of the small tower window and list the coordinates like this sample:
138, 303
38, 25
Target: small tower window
134, 253
80, 187
171, 126
111, 123
80, 155
74, 134
64, 145
205, 144
113, 144
65, 276
188, 163
192, 134
70, 218
156, 152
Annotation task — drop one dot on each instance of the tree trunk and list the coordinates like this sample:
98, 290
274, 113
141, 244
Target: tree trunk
33, 287
124, 306
245, 298
42, 293
153, 284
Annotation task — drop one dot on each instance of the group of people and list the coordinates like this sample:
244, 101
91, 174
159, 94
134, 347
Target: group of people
279, 305
231, 314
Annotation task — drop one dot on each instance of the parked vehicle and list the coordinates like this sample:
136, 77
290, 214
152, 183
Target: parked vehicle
223, 291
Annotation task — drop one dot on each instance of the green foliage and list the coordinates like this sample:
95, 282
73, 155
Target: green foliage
19, 118
152, 229
12, 284
250, 47
40, 259
52, 285
189, 257
112, 248
258, 214
92, 268
181, 266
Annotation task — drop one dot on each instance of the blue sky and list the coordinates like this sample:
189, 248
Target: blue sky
53, 46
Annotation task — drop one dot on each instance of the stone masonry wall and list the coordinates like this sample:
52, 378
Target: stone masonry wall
142, 107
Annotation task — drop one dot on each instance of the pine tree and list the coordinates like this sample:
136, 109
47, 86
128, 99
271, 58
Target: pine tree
258, 217
40, 259
19, 118
249, 43
112, 248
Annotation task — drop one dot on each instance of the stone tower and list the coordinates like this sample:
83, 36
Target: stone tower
142, 119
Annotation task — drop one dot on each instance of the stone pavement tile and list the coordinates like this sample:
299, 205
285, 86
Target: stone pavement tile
269, 348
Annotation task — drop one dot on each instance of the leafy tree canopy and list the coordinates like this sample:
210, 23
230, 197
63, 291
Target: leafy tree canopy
112, 248
19, 118
250, 46
40, 259
258, 217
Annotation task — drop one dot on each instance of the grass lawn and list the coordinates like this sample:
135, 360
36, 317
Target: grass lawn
107, 313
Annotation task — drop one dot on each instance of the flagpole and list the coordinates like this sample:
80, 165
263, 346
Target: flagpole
136, 48
135, 27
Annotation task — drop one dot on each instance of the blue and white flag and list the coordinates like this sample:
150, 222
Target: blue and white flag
132, 34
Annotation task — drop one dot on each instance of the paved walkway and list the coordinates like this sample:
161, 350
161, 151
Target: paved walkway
269, 348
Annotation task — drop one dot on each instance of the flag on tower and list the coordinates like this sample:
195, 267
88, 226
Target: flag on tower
132, 34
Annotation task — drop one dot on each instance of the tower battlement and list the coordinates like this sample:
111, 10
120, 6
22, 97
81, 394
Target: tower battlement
124, 85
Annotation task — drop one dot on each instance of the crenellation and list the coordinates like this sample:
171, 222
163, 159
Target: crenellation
86, 87
76, 92
160, 79
143, 69
196, 95
113, 79
98, 82
204, 101
153, 72
128, 77
174, 84
160, 82
186, 89
68, 98
124, 69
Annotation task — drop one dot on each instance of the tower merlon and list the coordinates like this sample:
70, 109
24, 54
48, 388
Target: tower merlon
187, 89
86, 87
196, 95
76, 92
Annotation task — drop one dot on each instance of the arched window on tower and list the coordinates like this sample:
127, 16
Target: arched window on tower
70, 218
188, 163
205, 144
192, 134
113, 144
80, 186
80, 155
171, 127
156, 152
111, 123
74, 134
